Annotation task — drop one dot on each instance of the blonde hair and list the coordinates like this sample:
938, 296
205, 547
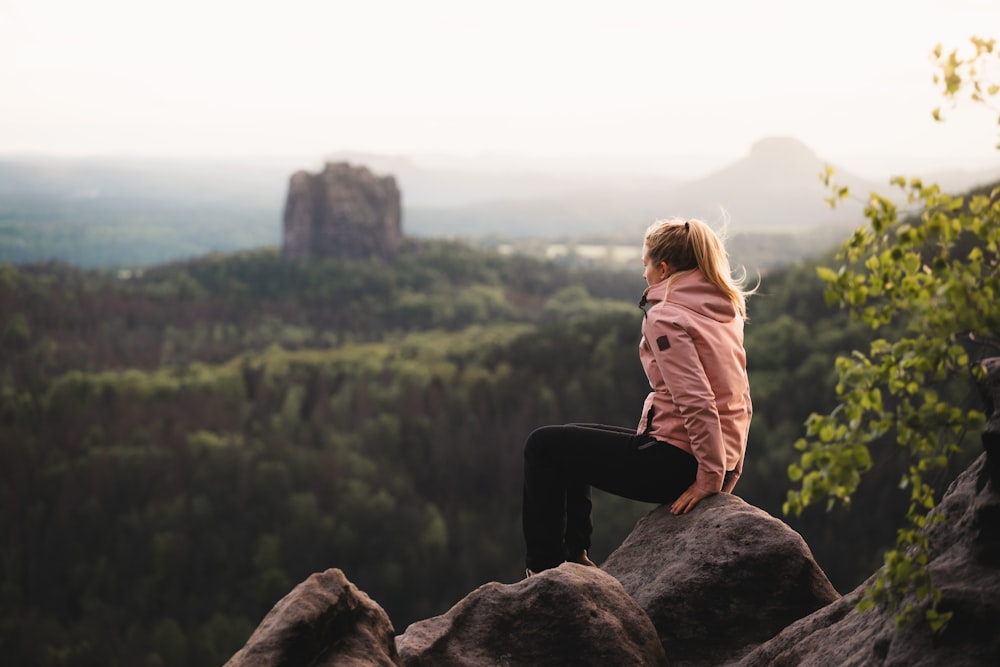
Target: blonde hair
690, 244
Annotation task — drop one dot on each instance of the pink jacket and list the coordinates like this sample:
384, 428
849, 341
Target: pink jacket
692, 351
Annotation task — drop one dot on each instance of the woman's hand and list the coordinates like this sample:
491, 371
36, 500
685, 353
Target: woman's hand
687, 500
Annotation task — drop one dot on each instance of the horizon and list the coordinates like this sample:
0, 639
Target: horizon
643, 82
691, 167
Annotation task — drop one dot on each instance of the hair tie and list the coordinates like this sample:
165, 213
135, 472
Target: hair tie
687, 225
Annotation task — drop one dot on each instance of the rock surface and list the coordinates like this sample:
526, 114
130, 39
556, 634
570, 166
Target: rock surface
720, 580
344, 212
324, 622
570, 615
965, 564
990, 388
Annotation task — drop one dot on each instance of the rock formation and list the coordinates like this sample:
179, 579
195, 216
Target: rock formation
344, 212
719, 580
324, 622
965, 564
705, 587
964, 560
990, 388
571, 615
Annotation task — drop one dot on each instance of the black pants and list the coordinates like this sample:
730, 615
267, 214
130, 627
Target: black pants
561, 463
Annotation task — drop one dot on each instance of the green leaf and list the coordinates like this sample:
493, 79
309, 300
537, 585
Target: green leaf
826, 274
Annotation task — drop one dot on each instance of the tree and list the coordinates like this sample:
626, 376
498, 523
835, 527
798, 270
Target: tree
928, 280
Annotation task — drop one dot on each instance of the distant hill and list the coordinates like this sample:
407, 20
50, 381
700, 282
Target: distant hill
960, 180
129, 212
112, 212
440, 184
777, 185
775, 188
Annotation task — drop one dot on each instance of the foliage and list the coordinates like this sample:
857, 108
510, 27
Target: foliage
188, 443
930, 281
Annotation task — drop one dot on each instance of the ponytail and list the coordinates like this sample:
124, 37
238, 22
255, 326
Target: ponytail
693, 244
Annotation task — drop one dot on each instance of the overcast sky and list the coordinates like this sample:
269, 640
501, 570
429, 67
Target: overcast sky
850, 78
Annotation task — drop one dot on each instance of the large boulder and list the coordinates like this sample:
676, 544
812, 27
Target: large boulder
964, 563
720, 580
344, 212
570, 615
964, 560
324, 622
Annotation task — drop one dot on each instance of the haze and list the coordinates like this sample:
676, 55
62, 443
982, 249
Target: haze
660, 81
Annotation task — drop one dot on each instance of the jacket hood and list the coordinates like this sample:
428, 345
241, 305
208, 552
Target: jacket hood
692, 290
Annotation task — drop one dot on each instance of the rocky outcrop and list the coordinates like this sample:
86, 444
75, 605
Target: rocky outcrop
324, 622
965, 564
964, 560
698, 589
990, 387
571, 615
344, 212
720, 580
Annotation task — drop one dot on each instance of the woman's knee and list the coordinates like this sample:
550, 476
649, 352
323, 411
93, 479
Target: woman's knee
540, 441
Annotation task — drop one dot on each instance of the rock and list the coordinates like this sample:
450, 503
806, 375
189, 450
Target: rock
570, 615
720, 580
990, 388
344, 212
965, 565
324, 622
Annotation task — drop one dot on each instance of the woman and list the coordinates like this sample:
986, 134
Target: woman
692, 433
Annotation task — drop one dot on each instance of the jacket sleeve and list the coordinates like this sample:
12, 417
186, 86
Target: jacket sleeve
738, 470
684, 373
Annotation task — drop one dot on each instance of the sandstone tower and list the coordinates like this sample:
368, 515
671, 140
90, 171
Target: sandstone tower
344, 212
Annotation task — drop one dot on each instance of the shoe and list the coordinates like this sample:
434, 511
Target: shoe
582, 559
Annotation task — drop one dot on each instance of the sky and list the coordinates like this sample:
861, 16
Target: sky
663, 79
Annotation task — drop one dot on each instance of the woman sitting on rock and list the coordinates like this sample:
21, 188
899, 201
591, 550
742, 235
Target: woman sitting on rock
692, 434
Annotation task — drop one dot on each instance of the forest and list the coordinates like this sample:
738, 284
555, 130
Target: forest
182, 445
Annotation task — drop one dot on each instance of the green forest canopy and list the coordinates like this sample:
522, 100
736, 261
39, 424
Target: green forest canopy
185, 444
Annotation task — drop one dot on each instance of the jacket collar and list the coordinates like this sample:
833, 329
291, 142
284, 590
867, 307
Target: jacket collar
658, 291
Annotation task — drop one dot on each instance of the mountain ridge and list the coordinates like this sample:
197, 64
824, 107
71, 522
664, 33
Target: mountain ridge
777, 185
127, 211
